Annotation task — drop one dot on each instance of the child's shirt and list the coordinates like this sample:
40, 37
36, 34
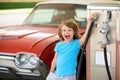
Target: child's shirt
67, 57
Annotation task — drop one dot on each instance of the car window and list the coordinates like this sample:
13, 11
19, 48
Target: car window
42, 16
81, 16
54, 14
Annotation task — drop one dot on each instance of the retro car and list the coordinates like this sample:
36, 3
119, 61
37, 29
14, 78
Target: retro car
26, 50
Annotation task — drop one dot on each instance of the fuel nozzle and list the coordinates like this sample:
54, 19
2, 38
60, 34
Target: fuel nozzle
105, 31
106, 37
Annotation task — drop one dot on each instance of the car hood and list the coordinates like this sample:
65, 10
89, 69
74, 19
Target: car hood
25, 38
15, 32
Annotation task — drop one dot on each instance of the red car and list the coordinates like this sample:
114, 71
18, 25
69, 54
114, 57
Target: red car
26, 51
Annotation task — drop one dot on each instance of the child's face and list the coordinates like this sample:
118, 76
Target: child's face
67, 33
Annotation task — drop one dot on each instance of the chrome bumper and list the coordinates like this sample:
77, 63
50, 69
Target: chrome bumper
9, 69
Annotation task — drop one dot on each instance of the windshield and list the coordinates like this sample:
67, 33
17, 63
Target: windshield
46, 14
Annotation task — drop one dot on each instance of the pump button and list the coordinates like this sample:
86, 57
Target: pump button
99, 58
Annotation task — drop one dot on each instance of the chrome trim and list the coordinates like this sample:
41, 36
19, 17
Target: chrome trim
4, 70
15, 74
28, 74
27, 61
8, 66
4, 55
102, 8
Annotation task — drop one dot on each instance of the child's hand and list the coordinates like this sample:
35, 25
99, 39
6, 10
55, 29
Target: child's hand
92, 16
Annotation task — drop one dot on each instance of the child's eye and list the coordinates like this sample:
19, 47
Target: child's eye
70, 30
64, 30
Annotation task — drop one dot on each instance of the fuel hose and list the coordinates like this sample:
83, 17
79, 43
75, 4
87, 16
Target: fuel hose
83, 50
106, 63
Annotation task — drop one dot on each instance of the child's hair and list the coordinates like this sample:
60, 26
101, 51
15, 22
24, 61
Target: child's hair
71, 23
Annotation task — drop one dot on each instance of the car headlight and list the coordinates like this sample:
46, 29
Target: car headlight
26, 60
33, 60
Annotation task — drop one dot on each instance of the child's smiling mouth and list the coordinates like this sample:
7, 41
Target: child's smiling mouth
67, 36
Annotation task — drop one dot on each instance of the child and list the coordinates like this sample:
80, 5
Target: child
64, 63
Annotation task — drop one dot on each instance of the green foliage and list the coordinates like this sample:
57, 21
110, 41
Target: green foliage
16, 5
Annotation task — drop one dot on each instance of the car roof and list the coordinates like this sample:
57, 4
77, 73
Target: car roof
82, 2
62, 2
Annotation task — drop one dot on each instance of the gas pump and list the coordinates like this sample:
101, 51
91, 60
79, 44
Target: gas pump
105, 31
103, 48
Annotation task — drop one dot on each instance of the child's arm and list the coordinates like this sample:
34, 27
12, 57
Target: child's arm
53, 63
91, 17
